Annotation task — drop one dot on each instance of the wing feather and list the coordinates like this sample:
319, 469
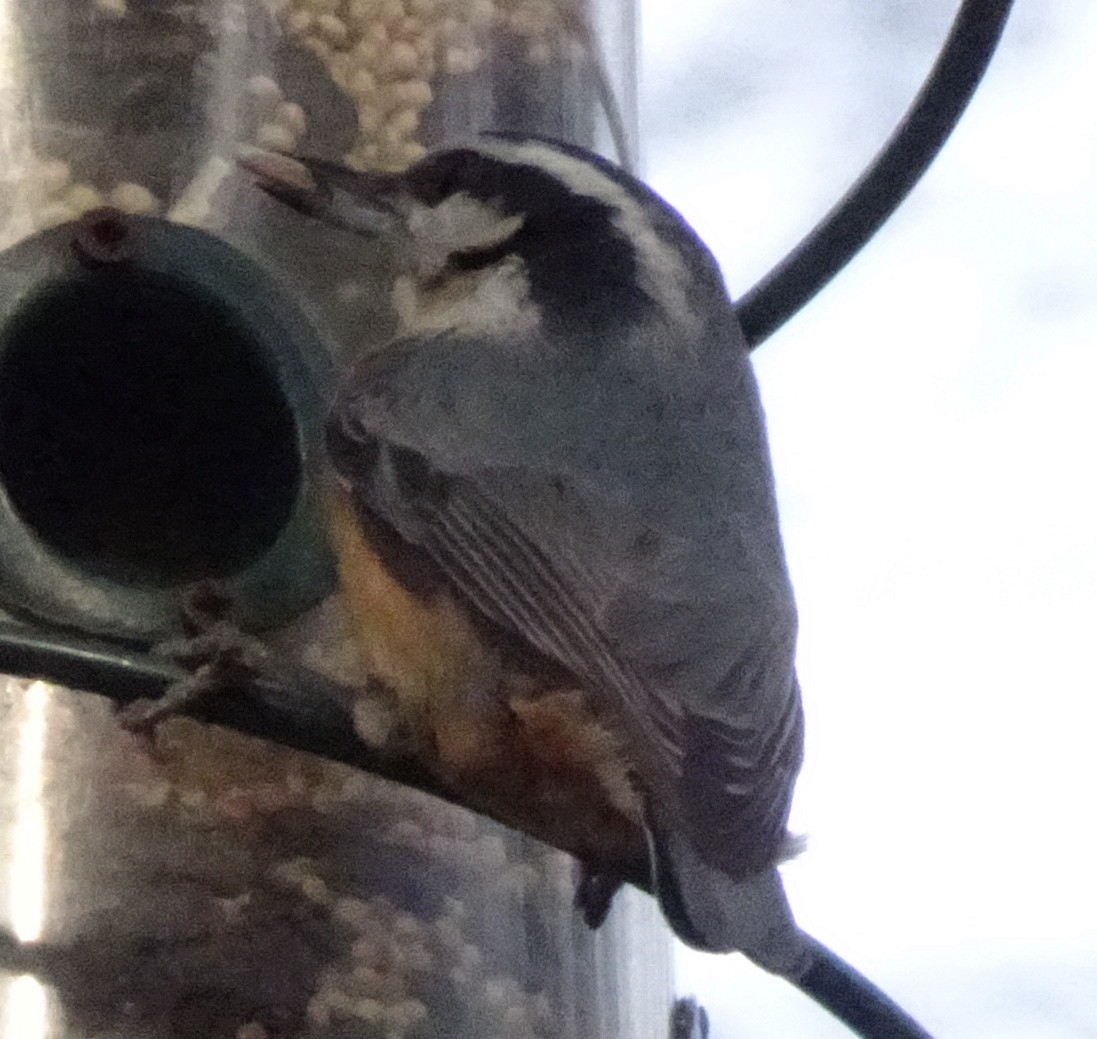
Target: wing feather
509, 577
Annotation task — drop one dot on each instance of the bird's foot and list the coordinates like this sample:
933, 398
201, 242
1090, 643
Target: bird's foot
216, 653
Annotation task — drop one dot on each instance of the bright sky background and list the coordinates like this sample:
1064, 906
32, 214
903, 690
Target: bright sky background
933, 423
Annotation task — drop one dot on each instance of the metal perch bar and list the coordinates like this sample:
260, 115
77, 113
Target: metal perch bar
278, 713
319, 726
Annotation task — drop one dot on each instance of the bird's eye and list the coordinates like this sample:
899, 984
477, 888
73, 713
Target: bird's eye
478, 259
438, 177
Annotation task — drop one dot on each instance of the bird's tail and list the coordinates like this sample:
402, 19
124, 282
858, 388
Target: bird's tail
711, 911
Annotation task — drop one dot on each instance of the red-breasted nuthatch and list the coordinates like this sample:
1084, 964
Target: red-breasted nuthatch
556, 519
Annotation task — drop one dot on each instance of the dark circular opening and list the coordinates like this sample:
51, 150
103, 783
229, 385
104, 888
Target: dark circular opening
141, 434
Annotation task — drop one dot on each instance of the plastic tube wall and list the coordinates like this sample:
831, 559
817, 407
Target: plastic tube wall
212, 885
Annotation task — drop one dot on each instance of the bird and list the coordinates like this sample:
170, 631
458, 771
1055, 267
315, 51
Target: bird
554, 513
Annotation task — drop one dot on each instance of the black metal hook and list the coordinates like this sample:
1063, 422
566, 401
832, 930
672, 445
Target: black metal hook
879, 191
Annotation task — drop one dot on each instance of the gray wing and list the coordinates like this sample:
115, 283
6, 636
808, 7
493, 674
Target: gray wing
644, 557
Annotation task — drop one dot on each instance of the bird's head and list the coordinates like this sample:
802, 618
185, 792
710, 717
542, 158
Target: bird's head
505, 235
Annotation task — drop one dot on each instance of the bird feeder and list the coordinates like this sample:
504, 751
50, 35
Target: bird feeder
167, 342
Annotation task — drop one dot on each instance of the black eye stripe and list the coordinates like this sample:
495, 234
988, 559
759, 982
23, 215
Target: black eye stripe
464, 260
478, 259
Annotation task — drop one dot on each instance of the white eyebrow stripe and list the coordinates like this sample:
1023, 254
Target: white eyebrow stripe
663, 275
462, 222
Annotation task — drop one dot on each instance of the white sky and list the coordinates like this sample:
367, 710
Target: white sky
933, 427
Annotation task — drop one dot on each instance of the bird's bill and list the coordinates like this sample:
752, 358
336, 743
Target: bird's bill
362, 203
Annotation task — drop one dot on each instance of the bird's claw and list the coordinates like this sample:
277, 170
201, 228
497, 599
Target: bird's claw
229, 652
217, 655
144, 715
212, 638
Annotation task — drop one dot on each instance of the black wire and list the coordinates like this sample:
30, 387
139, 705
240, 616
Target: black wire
877, 193
853, 999
837, 987
827, 248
